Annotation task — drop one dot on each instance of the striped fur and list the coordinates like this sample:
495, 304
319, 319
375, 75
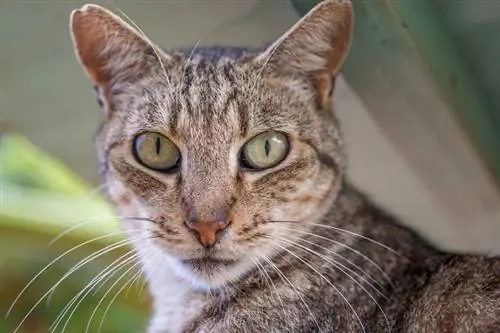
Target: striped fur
305, 251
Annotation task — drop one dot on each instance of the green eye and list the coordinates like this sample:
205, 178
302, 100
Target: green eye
156, 152
264, 151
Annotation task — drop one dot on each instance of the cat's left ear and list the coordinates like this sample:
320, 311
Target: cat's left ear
110, 50
315, 47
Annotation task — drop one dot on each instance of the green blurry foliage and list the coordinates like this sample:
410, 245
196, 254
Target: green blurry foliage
40, 199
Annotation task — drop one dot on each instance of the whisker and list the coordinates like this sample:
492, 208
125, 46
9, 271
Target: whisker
83, 222
361, 254
110, 270
134, 265
335, 264
342, 267
286, 280
352, 233
136, 280
52, 263
101, 279
325, 279
141, 289
80, 223
108, 249
99, 188
96, 255
269, 281
130, 282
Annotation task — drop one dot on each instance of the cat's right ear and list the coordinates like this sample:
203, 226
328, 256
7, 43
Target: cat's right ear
110, 50
315, 47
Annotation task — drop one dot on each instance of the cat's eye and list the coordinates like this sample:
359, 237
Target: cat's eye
264, 151
156, 152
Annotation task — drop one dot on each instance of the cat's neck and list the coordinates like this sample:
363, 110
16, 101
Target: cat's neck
354, 230
356, 215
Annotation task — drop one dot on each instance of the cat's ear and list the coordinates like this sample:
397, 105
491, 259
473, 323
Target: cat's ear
316, 46
109, 49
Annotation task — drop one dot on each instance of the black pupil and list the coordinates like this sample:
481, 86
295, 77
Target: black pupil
267, 147
158, 145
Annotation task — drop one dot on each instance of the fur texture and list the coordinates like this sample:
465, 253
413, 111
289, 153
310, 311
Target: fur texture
304, 250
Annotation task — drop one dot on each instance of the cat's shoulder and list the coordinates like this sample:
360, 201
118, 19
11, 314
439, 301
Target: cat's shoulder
462, 296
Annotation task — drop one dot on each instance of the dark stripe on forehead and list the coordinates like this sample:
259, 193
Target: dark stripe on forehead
204, 75
173, 121
230, 100
202, 70
187, 81
213, 75
242, 111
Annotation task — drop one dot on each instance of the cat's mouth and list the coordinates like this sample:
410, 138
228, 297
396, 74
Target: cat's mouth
208, 263
210, 271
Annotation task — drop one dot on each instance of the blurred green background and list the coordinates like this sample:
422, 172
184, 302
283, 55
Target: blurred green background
40, 199
417, 102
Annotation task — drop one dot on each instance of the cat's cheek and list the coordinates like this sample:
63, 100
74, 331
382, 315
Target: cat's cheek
306, 202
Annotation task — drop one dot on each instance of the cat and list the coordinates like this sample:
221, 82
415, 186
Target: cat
228, 166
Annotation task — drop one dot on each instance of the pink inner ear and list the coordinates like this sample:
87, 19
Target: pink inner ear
323, 84
88, 28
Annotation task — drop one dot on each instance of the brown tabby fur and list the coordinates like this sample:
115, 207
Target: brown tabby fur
304, 251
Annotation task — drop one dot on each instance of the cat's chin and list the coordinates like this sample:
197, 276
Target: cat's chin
210, 273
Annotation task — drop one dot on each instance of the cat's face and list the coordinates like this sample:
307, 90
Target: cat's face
210, 159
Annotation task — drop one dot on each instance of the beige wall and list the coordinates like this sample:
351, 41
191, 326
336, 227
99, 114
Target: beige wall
44, 94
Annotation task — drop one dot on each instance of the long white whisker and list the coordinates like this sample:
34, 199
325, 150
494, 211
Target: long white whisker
134, 265
102, 278
141, 289
136, 279
352, 233
326, 280
110, 270
362, 255
52, 263
286, 280
335, 264
80, 223
109, 249
88, 220
269, 281
146, 263
96, 190
94, 256
130, 282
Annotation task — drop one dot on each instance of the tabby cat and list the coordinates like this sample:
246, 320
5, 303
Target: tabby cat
229, 169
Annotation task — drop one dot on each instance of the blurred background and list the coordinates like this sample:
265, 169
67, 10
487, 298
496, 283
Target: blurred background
417, 101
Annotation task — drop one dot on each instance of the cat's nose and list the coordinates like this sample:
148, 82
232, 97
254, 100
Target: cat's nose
208, 232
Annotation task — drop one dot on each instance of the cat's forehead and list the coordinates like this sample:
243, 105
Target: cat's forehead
221, 99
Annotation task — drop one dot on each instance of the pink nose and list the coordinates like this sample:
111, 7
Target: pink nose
208, 232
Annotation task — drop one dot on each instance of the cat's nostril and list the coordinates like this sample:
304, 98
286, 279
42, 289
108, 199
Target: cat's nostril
208, 232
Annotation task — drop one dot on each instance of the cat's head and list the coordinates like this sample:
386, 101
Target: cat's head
209, 160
